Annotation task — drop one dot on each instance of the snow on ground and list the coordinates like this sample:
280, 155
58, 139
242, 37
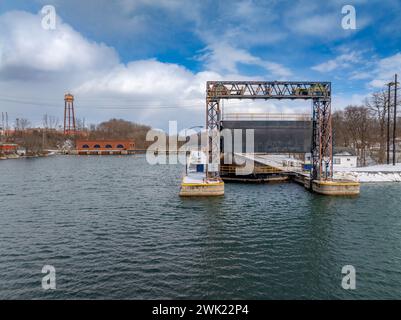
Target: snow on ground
274, 160
375, 168
369, 176
376, 173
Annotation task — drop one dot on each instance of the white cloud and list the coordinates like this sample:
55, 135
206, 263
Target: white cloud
39, 66
360, 75
152, 83
340, 62
143, 78
225, 58
378, 83
277, 69
340, 101
316, 19
316, 25
377, 72
25, 44
385, 70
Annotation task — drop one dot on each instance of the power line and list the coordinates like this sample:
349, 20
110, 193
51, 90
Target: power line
84, 98
110, 106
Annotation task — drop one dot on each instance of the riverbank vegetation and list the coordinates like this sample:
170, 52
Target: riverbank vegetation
364, 128
360, 127
36, 141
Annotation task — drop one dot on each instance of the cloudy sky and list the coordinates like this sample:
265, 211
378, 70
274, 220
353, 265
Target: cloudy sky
148, 60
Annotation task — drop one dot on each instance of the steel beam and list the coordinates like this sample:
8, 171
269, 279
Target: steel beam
213, 131
318, 92
267, 90
322, 141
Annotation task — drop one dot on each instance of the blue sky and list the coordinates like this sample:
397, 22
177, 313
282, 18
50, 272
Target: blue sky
131, 58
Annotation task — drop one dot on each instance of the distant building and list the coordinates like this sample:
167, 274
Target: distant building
21, 151
8, 148
344, 158
104, 147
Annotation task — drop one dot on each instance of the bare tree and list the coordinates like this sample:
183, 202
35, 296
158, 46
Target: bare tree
377, 103
340, 134
50, 122
21, 124
80, 124
121, 129
358, 124
33, 142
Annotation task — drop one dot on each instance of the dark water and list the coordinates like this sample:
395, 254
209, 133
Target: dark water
114, 227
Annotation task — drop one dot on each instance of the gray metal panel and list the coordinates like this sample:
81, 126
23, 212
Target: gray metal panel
275, 136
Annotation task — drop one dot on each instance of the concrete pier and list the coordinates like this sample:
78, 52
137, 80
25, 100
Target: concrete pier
336, 188
202, 189
270, 169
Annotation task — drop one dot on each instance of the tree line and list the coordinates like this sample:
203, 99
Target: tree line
360, 127
51, 136
120, 129
364, 128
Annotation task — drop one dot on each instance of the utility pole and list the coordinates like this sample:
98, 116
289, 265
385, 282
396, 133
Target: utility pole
43, 139
395, 119
388, 122
7, 124
3, 130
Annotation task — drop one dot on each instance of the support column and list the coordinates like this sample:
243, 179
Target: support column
388, 122
395, 121
213, 131
322, 141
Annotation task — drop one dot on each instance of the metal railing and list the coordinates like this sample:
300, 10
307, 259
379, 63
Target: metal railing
256, 170
267, 116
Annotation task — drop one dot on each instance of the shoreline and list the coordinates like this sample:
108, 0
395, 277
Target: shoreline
364, 175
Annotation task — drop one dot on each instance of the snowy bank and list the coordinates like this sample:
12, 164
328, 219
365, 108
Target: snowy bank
376, 173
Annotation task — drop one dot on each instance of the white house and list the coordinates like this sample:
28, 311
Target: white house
344, 158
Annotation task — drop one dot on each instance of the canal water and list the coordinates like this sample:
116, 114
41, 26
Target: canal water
114, 227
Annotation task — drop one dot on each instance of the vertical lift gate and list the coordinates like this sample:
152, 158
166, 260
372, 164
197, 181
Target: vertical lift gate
318, 92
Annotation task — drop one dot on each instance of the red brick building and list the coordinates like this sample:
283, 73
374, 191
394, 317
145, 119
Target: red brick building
105, 146
8, 148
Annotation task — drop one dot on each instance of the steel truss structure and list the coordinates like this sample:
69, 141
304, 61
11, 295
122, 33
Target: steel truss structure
318, 92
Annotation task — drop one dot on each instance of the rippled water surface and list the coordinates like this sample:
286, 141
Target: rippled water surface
114, 227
